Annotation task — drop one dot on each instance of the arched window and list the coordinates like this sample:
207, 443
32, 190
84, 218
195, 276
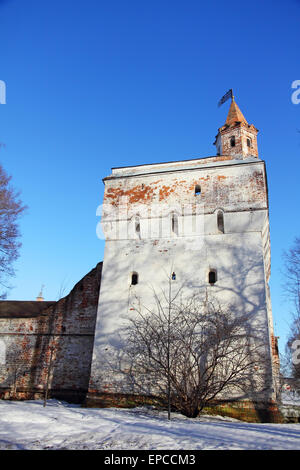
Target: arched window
137, 226
220, 221
232, 141
212, 277
134, 279
248, 142
174, 223
197, 190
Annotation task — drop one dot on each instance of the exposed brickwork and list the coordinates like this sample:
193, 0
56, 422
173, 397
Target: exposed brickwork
62, 335
275, 346
241, 132
231, 188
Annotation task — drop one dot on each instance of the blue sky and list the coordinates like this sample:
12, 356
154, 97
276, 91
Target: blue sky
98, 84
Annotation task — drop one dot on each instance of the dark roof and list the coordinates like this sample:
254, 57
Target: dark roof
163, 163
23, 308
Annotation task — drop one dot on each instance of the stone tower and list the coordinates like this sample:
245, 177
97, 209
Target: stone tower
203, 220
237, 137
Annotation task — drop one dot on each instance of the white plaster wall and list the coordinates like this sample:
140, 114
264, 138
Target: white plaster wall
237, 257
155, 252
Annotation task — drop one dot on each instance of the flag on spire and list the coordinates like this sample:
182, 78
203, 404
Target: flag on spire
227, 95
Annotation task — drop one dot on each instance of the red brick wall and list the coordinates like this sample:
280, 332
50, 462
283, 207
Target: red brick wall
241, 132
63, 335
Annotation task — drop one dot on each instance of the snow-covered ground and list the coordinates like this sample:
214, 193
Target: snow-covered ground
290, 398
28, 425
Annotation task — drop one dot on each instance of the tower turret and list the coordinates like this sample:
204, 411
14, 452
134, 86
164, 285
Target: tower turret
237, 137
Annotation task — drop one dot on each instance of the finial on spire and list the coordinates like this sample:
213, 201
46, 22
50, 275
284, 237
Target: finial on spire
40, 296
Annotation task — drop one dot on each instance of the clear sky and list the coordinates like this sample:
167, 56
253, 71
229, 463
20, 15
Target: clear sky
98, 84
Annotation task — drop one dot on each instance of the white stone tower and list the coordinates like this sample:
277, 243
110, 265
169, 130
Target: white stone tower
204, 220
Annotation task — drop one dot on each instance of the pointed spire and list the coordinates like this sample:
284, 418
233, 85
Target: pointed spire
235, 114
40, 296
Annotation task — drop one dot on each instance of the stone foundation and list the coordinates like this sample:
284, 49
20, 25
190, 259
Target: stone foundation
244, 410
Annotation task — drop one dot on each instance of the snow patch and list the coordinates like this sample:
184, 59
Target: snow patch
59, 425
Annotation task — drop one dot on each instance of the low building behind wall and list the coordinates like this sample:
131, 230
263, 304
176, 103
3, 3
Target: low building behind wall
49, 342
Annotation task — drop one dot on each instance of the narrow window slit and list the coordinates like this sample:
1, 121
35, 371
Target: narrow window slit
137, 227
134, 279
174, 223
197, 190
212, 277
220, 221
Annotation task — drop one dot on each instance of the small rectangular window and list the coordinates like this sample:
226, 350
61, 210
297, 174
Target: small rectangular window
220, 221
134, 279
212, 277
174, 224
197, 190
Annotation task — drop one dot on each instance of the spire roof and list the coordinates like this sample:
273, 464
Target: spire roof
235, 114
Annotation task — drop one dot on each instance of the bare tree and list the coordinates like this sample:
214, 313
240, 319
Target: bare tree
191, 352
62, 289
292, 291
11, 208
